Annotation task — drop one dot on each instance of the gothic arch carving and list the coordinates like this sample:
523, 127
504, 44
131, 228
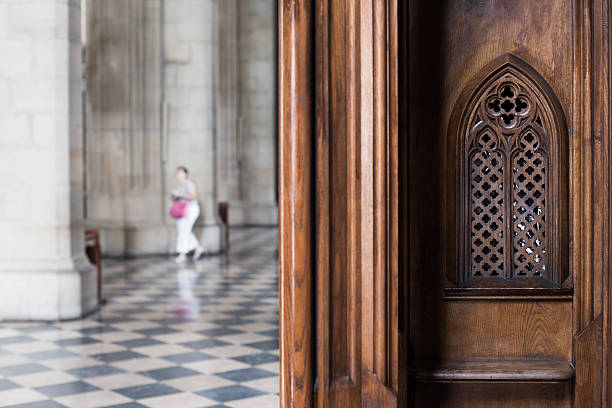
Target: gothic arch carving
507, 195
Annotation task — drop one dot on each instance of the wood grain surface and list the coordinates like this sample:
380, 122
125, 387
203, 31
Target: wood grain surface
296, 203
367, 93
495, 371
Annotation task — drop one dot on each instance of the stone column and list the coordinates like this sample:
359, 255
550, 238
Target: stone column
147, 231
43, 270
124, 176
189, 44
257, 111
226, 101
246, 110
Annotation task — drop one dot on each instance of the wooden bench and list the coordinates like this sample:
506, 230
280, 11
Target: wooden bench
493, 371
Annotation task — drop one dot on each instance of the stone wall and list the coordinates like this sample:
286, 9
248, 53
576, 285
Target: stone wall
247, 102
189, 48
43, 269
181, 82
124, 173
258, 90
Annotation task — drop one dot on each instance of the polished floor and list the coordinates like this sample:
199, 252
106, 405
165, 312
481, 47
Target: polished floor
202, 334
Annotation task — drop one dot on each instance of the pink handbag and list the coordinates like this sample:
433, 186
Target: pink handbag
179, 209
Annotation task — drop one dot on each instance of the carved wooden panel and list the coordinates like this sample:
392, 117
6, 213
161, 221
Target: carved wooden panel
508, 125
356, 205
529, 206
559, 180
512, 159
487, 205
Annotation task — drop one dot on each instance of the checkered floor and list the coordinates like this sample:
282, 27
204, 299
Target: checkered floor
202, 334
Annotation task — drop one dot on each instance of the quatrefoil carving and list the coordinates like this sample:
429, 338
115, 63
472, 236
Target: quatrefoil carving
508, 106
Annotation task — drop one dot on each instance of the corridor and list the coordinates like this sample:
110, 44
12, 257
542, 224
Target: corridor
201, 334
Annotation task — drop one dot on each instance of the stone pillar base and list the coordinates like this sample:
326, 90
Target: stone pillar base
147, 238
253, 214
47, 290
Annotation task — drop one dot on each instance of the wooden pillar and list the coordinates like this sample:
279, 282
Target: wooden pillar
339, 204
296, 202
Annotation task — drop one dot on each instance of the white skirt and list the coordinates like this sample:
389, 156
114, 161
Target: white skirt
186, 240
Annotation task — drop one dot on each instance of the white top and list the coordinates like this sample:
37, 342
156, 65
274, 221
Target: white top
184, 189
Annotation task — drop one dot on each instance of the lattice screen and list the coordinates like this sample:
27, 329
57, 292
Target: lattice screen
508, 157
529, 205
487, 208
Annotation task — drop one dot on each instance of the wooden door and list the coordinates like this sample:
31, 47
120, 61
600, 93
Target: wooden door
339, 209
505, 137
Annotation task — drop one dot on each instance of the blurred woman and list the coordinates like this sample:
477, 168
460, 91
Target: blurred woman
186, 240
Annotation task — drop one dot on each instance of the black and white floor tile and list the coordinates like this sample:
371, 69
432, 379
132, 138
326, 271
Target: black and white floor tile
201, 334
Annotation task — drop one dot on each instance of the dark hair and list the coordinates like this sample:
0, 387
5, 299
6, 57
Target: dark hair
183, 169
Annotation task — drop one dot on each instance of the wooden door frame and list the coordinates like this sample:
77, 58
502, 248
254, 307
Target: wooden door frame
590, 205
296, 205
304, 40
338, 172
